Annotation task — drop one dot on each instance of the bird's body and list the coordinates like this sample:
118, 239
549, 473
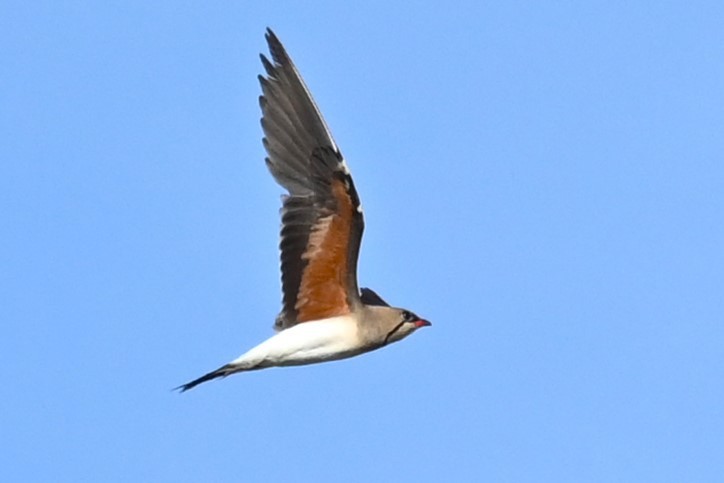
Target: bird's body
324, 316
316, 341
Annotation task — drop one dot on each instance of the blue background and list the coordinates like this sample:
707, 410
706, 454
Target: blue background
544, 181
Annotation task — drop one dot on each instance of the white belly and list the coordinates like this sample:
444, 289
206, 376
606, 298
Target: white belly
305, 343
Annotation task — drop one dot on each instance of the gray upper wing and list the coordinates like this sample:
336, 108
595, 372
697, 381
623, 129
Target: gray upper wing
322, 222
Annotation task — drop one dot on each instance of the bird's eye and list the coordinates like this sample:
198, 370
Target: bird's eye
407, 316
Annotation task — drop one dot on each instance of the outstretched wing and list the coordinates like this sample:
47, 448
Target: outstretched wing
322, 219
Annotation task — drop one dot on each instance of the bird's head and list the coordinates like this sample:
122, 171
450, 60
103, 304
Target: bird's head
401, 323
391, 323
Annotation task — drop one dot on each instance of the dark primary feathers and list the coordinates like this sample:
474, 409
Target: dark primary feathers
370, 297
322, 221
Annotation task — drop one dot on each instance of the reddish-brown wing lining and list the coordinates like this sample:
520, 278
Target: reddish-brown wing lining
323, 289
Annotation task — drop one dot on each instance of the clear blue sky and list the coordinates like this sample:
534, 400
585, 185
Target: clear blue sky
544, 181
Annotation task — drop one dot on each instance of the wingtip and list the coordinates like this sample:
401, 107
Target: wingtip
270, 36
278, 52
370, 297
268, 67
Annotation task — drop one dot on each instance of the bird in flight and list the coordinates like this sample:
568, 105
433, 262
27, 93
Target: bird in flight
325, 316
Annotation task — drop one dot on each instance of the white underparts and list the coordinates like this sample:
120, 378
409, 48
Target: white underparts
305, 343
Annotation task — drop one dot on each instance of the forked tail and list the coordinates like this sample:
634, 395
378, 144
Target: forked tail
222, 371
